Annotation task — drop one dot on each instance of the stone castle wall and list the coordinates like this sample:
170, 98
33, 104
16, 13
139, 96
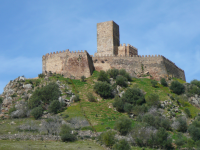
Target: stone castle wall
70, 64
156, 65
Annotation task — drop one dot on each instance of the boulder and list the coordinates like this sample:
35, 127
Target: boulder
120, 94
118, 88
7, 101
21, 78
27, 86
72, 98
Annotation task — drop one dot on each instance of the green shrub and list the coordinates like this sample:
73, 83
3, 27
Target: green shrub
133, 96
37, 112
182, 126
177, 87
140, 109
107, 138
11, 110
41, 75
190, 144
163, 82
103, 76
1, 100
91, 97
128, 107
154, 83
14, 95
113, 73
118, 104
45, 94
187, 111
153, 100
122, 81
125, 74
162, 139
195, 82
103, 89
83, 78
54, 106
180, 140
122, 145
193, 89
123, 125
76, 98
66, 134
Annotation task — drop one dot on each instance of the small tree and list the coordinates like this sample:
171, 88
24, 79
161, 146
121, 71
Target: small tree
153, 100
187, 111
1, 100
182, 124
83, 78
37, 112
103, 76
107, 138
91, 97
163, 82
154, 83
122, 81
113, 73
177, 87
195, 82
123, 125
179, 141
122, 145
118, 104
54, 107
103, 89
66, 134
76, 98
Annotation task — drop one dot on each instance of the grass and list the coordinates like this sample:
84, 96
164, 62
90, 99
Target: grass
48, 145
6, 126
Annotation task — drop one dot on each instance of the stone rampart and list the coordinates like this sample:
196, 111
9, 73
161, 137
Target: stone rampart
70, 64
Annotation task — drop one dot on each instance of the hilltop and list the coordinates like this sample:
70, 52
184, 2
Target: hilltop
89, 116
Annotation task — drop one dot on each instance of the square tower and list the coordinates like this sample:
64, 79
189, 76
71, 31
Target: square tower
107, 38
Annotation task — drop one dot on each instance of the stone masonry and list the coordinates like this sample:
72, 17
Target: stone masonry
110, 54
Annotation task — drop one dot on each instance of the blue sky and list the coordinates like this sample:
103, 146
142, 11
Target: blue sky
32, 28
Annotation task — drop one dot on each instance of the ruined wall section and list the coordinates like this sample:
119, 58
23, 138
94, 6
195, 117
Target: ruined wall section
173, 70
134, 65
70, 64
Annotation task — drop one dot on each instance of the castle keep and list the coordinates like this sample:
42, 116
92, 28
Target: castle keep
110, 54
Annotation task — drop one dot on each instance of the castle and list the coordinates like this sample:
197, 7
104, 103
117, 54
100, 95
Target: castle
110, 54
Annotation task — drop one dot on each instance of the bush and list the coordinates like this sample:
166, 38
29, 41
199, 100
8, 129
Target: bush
76, 98
122, 81
91, 97
118, 104
187, 111
11, 110
83, 78
54, 107
133, 96
182, 124
128, 107
107, 138
154, 83
141, 109
153, 100
1, 100
122, 145
41, 75
179, 141
177, 87
162, 139
66, 134
195, 82
37, 112
125, 74
103, 89
193, 89
14, 95
103, 76
113, 73
163, 82
45, 94
123, 125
